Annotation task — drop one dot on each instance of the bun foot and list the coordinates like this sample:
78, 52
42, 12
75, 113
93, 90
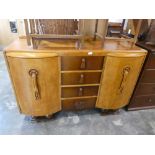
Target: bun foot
49, 116
105, 112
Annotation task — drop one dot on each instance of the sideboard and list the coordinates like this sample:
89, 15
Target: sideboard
47, 80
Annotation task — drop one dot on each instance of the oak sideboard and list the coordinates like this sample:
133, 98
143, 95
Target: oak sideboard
48, 80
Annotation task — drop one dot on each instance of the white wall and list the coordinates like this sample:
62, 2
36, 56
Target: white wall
6, 36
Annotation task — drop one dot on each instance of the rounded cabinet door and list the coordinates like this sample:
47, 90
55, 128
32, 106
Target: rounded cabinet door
36, 80
120, 73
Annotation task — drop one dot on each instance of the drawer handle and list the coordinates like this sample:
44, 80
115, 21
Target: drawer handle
80, 91
79, 105
83, 63
81, 78
150, 100
33, 73
125, 74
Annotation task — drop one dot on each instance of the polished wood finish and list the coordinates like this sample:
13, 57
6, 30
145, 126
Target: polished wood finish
80, 78
37, 91
143, 96
80, 85
143, 102
79, 104
118, 79
148, 76
79, 91
150, 64
145, 89
75, 76
81, 63
68, 48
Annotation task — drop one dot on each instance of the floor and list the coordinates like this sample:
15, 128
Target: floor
68, 123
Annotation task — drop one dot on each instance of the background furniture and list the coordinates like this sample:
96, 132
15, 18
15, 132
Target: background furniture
115, 29
118, 80
136, 25
144, 94
150, 37
53, 29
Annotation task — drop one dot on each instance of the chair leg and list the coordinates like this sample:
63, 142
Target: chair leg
35, 43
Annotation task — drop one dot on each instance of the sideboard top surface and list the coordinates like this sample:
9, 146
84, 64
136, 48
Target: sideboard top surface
67, 49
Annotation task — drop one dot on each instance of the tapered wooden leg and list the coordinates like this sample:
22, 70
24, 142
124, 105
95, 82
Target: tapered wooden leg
34, 43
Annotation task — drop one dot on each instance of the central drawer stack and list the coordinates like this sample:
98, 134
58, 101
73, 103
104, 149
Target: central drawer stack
80, 80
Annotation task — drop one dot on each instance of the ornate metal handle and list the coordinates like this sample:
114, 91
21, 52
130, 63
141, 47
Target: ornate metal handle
81, 78
83, 63
33, 73
80, 91
124, 78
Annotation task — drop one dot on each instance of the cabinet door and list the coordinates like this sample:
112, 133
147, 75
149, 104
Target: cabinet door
118, 80
36, 81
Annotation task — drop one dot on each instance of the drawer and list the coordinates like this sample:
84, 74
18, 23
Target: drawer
79, 63
79, 104
148, 76
145, 89
150, 64
80, 78
142, 101
79, 91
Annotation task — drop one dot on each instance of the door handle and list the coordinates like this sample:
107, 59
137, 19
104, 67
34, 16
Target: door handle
125, 74
34, 73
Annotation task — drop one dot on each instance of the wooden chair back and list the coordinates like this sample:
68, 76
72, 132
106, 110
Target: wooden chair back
37, 29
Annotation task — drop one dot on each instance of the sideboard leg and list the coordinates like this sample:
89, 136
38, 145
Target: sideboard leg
49, 116
105, 112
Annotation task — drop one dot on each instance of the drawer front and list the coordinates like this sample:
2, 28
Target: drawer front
142, 101
82, 63
78, 104
150, 64
79, 91
145, 89
148, 76
80, 78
